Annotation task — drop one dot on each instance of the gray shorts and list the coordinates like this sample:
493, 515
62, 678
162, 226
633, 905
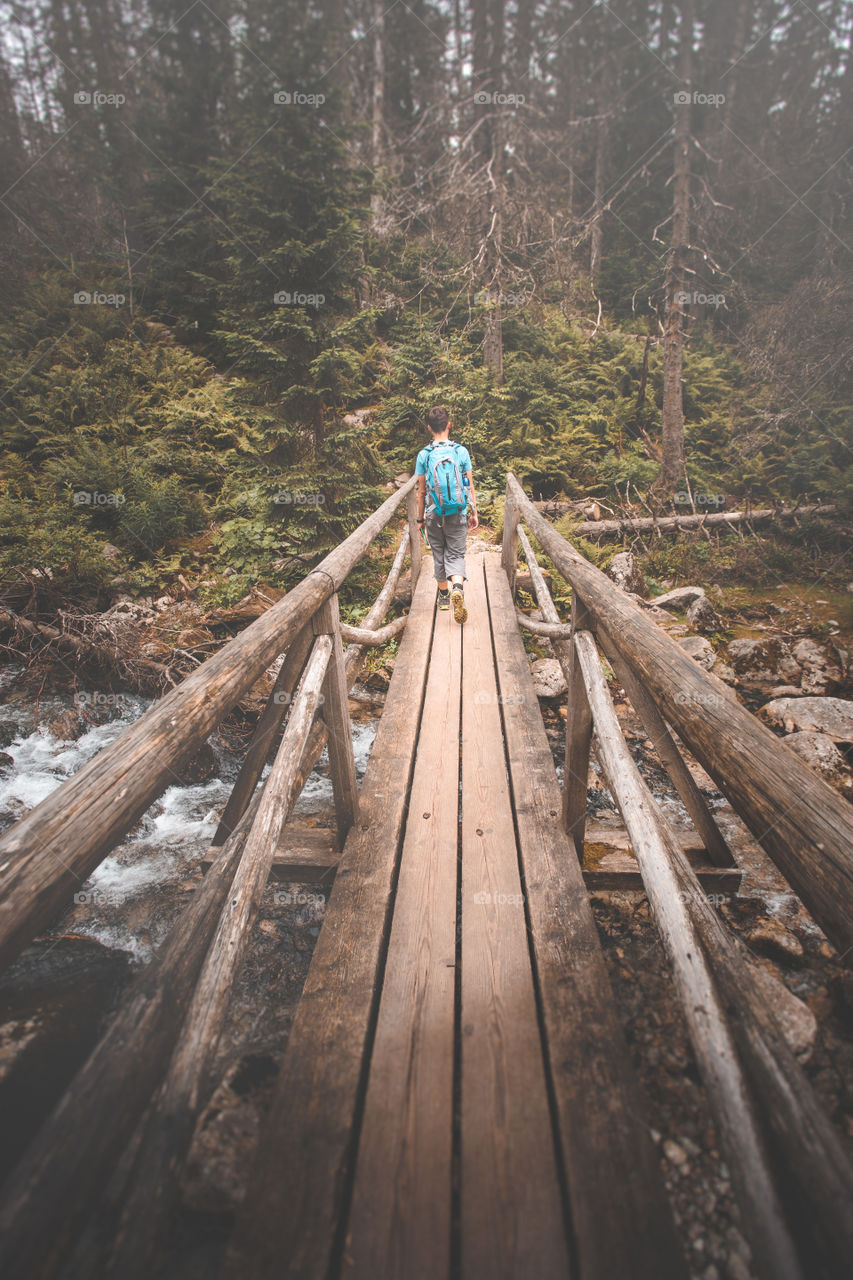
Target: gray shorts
447, 538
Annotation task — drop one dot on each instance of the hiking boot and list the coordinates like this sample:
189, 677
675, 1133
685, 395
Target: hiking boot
444, 597
457, 597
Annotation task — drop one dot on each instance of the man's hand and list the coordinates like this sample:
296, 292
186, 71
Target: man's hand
473, 522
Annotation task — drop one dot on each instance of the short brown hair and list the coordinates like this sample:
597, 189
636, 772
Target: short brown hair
437, 418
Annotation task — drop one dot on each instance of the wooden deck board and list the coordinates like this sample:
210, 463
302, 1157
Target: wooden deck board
399, 1224
511, 1212
621, 1219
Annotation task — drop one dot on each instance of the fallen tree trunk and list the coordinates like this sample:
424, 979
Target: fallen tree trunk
672, 524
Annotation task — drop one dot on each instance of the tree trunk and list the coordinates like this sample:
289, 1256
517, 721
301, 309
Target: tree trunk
673, 469
494, 55
602, 139
378, 111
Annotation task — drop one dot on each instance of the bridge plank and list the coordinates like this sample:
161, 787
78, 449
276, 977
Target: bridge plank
399, 1224
622, 1222
301, 1172
512, 1213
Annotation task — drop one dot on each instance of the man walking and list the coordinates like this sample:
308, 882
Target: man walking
445, 494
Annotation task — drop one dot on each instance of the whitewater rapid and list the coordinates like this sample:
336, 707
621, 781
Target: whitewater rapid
126, 902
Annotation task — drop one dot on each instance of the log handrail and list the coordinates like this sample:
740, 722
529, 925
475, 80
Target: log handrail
803, 824
47, 854
769, 1119
711, 1036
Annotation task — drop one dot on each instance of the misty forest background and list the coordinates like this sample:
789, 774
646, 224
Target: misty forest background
612, 237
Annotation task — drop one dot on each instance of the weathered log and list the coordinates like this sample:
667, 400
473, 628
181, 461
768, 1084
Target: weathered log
646, 709
707, 520
804, 825
327, 622
265, 731
170, 1122
815, 1175
509, 547
578, 717
655, 725
364, 636
716, 1054
47, 855
549, 630
415, 546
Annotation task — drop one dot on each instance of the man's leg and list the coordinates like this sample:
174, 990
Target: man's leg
456, 537
436, 537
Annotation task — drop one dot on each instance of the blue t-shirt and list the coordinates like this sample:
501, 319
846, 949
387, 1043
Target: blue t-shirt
463, 460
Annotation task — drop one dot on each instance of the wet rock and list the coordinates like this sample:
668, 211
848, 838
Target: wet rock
821, 670
67, 727
832, 716
125, 610
548, 678
771, 938
821, 754
702, 615
626, 573
761, 665
653, 612
6, 761
700, 650
199, 769
786, 691
679, 598
378, 679
796, 1021
674, 1152
8, 732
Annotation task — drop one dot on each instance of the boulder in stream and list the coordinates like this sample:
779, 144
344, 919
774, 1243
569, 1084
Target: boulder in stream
762, 665
830, 716
702, 615
821, 754
678, 598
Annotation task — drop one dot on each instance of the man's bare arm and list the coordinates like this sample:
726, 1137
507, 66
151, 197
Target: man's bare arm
473, 520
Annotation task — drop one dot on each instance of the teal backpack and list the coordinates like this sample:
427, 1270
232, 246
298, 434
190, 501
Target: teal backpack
445, 481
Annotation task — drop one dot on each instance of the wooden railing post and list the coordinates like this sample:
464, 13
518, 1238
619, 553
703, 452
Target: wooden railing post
265, 731
578, 738
415, 545
509, 555
327, 621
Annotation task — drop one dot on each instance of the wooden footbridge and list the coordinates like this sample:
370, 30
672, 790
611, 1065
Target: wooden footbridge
456, 1100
